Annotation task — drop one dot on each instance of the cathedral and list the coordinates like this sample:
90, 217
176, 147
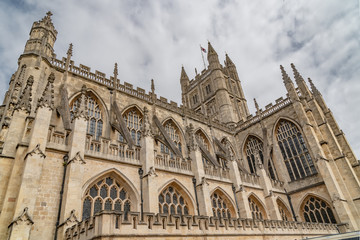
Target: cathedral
87, 156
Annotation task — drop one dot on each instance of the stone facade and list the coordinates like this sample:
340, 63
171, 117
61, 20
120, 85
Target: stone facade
84, 156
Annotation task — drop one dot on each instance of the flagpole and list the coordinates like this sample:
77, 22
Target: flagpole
202, 55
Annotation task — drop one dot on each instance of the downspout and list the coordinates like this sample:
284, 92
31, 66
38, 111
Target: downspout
196, 197
65, 163
237, 205
291, 206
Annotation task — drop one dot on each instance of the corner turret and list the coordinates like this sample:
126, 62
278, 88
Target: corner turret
213, 58
42, 38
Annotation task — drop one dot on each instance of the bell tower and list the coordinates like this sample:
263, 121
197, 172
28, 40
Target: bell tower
42, 38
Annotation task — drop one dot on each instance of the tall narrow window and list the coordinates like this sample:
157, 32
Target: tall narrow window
95, 123
133, 120
283, 210
254, 145
220, 205
316, 210
293, 148
171, 201
201, 137
174, 133
106, 194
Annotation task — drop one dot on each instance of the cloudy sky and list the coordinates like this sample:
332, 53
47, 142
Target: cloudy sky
152, 39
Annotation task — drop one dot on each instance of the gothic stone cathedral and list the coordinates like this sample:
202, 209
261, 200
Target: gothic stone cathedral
85, 156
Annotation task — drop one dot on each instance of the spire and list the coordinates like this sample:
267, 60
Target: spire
47, 98
318, 97
212, 57
301, 82
115, 75
25, 98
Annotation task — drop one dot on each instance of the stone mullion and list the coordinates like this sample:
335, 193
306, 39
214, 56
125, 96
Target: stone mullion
288, 158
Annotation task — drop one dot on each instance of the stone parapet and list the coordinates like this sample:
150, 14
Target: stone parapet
120, 225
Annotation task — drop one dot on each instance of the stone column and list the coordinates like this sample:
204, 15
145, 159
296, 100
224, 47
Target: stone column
148, 165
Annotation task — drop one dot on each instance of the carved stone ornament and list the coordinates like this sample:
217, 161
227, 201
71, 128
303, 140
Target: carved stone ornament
25, 98
146, 131
152, 172
241, 188
71, 220
204, 181
258, 161
23, 218
37, 151
77, 158
47, 98
190, 138
81, 110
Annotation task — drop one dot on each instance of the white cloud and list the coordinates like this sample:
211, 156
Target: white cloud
152, 39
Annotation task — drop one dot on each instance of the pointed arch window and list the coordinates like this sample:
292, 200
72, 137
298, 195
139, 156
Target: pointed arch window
200, 136
256, 208
95, 123
283, 210
133, 119
174, 133
171, 201
220, 206
106, 194
254, 146
316, 210
298, 161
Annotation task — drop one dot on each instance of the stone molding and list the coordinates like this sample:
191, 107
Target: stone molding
37, 151
77, 158
23, 218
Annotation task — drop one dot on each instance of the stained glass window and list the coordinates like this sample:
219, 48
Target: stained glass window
133, 120
293, 148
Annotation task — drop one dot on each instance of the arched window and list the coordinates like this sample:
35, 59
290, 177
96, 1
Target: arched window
106, 194
221, 206
95, 123
294, 151
133, 119
171, 201
200, 136
283, 210
316, 210
253, 146
256, 208
174, 133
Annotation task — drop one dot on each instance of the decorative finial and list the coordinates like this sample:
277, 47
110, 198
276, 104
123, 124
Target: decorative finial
49, 14
70, 50
297, 75
196, 73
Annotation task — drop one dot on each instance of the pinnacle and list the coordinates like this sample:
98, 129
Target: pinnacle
256, 105
70, 50
285, 76
115, 69
228, 60
211, 50
313, 88
183, 73
297, 75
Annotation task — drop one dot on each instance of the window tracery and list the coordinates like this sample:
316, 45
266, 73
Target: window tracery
95, 122
283, 210
316, 210
219, 206
106, 194
134, 120
171, 201
174, 133
257, 211
254, 146
298, 161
